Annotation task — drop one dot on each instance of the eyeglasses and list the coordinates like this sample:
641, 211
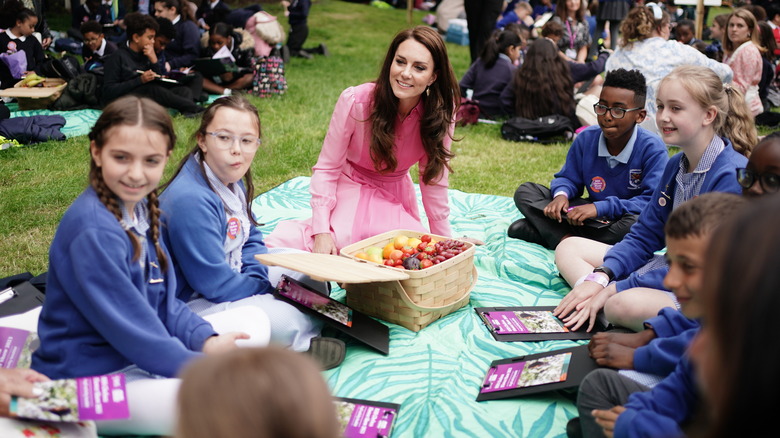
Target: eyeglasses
770, 182
617, 113
225, 140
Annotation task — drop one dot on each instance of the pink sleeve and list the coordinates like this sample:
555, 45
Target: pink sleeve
747, 68
332, 158
435, 197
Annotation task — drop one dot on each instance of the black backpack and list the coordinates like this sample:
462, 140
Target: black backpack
547, 129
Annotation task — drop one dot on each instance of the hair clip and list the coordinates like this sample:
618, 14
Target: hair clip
657, 12
728, 88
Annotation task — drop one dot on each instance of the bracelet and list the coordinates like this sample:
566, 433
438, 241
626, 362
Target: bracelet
604, 282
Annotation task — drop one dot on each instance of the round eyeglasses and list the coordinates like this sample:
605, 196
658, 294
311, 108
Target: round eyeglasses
770, 182
225, 140
616, 112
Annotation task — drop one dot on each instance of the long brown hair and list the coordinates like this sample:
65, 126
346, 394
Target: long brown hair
741, 300
255, 393
562, 11
235, 102
439, 105
734, 120
752, 25
543, 84
131, 111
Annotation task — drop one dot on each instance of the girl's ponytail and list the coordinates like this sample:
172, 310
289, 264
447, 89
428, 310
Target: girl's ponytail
739, 125
498, 43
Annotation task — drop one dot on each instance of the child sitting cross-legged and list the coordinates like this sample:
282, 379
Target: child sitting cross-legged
658, 349
617, 162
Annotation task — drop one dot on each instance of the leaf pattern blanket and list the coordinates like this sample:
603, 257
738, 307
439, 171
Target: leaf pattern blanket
435, 374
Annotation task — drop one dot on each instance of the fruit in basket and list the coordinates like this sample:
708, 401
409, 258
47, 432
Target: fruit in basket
413, 242
411, 263
426, 263
400, 241
425, 238
387, 250
32, 80
396, 254
374, 254
361, 255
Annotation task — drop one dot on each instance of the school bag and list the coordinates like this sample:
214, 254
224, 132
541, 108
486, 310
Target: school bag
268, 77
546, 129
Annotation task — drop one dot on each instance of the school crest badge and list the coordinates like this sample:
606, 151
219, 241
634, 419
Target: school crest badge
634, 178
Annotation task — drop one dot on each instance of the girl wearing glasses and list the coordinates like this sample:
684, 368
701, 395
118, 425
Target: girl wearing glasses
761, 175
379, 130
211, 231
714, 130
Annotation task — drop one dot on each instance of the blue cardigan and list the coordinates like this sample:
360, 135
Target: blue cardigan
659, 412
674, 333
647, 234
625, 188
195, 228
102, 311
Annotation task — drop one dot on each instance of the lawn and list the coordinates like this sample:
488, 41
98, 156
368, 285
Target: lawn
37, 183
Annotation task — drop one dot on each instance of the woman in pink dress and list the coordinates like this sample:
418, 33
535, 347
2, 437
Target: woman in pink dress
361, 186
742, 50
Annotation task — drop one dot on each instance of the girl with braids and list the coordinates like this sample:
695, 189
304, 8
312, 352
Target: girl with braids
711, 124
489, 74
210, 197
110, 299
542, 86
645, 46
361, 184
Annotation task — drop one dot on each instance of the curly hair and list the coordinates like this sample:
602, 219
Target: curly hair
131, 111
632, 80
440, 106
543, 85
639, 25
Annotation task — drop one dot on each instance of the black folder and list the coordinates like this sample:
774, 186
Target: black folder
580, 334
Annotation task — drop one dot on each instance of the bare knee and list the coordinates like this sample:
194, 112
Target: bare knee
622, 310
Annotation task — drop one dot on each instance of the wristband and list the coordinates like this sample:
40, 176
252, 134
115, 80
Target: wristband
597, 279
607, 271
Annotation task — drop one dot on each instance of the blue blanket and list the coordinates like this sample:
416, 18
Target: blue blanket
435, 374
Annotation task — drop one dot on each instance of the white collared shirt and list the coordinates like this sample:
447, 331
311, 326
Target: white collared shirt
623, 156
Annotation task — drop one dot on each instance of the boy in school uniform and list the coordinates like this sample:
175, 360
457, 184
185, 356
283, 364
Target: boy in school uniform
96, 47
659, 349
617, 162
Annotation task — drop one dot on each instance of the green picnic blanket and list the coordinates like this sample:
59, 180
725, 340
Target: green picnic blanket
435, 374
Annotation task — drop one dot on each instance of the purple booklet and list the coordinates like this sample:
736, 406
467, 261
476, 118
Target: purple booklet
16, 347
535, 372
326, 306
365, 418
524, 321
80, 399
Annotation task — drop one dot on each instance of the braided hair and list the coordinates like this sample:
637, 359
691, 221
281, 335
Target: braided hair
131, 111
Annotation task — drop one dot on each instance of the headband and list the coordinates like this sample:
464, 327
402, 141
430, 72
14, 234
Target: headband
657, 12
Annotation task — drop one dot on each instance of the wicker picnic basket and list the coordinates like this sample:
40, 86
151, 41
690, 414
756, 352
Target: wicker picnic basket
427, 295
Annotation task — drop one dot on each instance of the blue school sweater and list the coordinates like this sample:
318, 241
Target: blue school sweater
659, 412
625, 188
674, 333
185, 46
103, 312
488, 83
195, 229
647, 234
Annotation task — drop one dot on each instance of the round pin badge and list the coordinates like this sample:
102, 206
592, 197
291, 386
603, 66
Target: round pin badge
233, 227
662, 202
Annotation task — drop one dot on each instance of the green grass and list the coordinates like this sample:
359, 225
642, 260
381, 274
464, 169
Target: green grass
39, 182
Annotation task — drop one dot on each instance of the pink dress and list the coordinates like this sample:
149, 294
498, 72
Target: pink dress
746, 63
353, 201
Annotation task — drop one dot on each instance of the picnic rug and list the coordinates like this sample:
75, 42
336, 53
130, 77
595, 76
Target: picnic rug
436, 374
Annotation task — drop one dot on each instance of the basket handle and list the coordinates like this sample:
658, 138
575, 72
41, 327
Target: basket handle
408, 301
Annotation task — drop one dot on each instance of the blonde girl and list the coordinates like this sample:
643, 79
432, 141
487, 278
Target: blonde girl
711, 125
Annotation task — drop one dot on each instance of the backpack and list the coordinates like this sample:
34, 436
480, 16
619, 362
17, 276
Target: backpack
468, 112
268, 77
67, 68
547, 129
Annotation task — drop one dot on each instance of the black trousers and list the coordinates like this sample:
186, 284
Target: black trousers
602, 389
481, 16
178, 98
299, 27
530, 199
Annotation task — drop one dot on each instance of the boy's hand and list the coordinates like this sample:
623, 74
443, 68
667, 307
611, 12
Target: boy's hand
223, 343
607, 419
612, 355
147, 76
554, 209
149, 53
577, 215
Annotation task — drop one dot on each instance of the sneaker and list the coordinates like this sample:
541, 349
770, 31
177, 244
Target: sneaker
328, 352
573, 429
301, 54
321, 49
522, 229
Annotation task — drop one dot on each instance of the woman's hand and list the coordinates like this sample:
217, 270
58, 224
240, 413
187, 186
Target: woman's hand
554, 209
577, 215
471, 240
324, 244
223, 343
607, 419
18, 382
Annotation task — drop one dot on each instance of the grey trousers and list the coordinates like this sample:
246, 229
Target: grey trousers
602, 389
